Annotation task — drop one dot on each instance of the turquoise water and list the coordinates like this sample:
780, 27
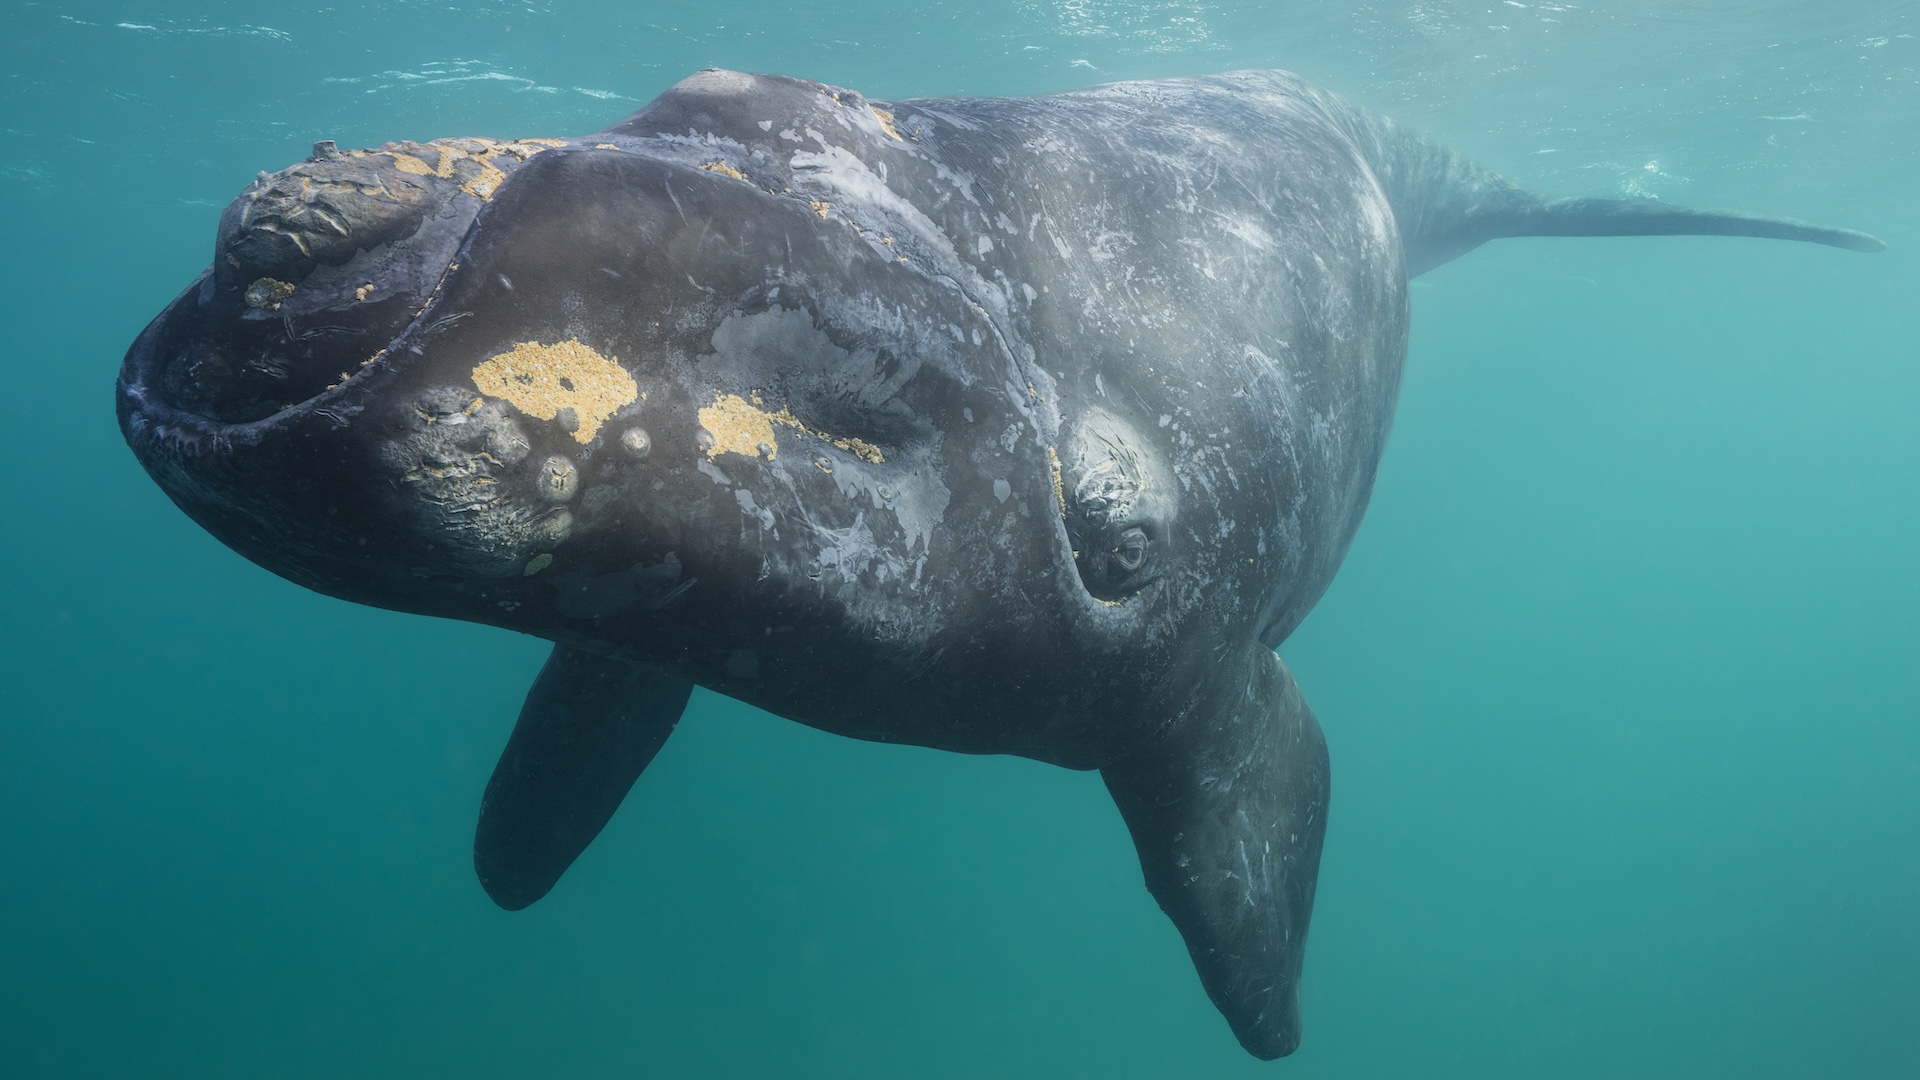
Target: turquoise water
1620, 678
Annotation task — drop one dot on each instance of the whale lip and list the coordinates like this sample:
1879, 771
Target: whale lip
318, 270
146, 409
210, 362
151, 404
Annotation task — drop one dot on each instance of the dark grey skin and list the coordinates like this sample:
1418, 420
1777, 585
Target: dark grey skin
1031, 426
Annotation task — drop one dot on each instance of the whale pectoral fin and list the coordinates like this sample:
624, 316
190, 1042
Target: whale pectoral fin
588, 728
1227, 813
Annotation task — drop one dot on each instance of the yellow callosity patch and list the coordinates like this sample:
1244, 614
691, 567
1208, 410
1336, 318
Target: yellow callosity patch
821, 208
859, 448
266, 292
738, 428
540, 380
469, 161
886, 122
484, 183
407, 163
723, 169
1059, 488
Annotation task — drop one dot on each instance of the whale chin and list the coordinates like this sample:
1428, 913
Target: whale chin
240, 423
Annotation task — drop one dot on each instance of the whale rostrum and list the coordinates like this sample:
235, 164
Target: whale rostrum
1018, 426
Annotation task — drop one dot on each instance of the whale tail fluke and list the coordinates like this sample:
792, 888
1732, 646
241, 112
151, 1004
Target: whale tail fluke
1501, 210
588, 729
1445, 204
1650, 217
1227, 812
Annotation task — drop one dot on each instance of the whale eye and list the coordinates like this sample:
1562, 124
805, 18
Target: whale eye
1131, 550
1118, 501
1114, 562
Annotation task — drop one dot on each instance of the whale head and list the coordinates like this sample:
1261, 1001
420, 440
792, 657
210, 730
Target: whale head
656, 411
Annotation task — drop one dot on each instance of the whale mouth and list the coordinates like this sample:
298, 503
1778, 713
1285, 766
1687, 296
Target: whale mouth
317, 269
225, 360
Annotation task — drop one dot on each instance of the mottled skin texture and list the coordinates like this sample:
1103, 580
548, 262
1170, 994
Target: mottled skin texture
1031, 426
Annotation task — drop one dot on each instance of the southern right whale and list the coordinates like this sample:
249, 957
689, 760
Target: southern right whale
1026, 426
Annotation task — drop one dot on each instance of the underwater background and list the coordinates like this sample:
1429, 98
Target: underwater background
1621, 679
